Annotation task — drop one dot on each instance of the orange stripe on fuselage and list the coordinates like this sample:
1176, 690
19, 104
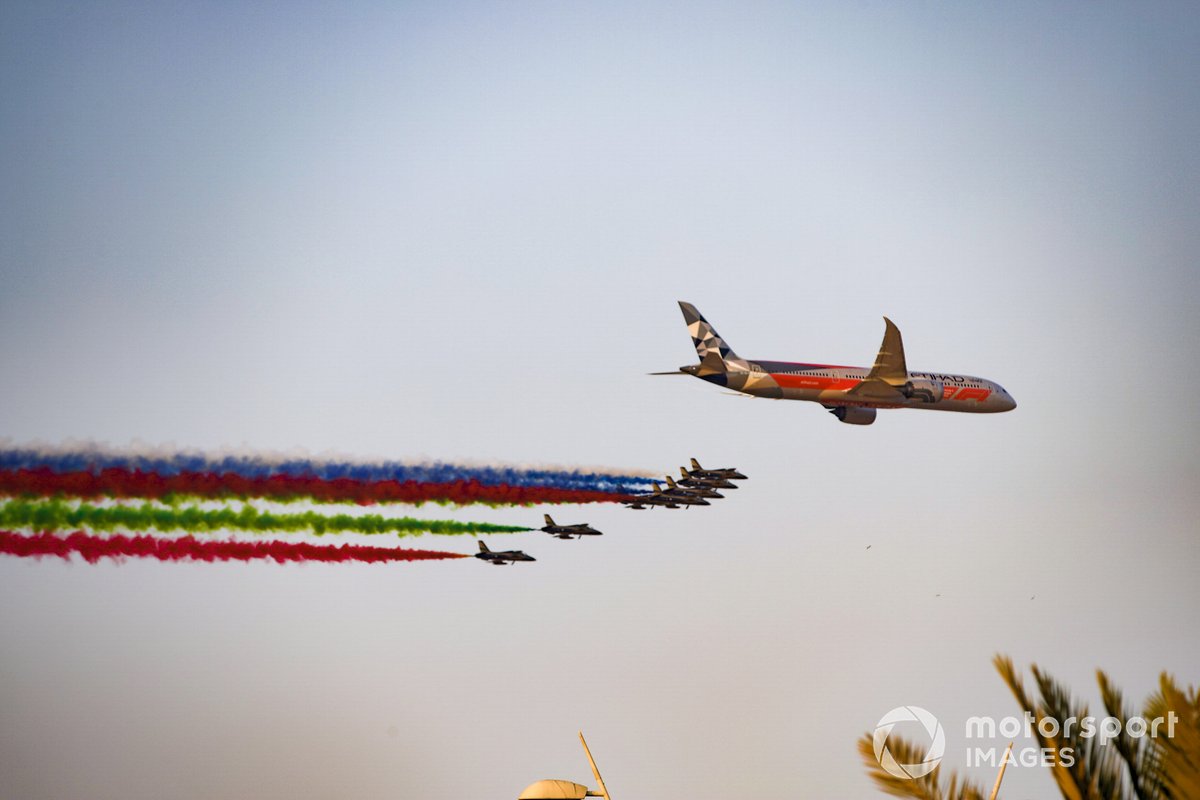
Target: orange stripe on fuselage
817, 383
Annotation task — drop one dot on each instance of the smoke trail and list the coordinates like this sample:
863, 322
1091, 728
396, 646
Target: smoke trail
56, 515
186, 548
97, 459
118, 482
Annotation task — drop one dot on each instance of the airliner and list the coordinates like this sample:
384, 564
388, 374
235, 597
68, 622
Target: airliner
852, 394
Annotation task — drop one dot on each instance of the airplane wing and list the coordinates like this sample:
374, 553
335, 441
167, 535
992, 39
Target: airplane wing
890, 371
890, 366
873, 390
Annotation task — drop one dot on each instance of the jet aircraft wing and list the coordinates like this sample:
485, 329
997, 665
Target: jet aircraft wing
889, 372
890, 366
874, 390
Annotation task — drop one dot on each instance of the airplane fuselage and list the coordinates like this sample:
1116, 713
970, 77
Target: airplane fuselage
570, 531
829, 385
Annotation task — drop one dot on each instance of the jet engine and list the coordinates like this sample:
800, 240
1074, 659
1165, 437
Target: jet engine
923, 390
853, 415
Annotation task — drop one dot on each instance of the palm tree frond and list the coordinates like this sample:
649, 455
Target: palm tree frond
1135, 752
1072, 782
1161, 763
1178, 745
924, 788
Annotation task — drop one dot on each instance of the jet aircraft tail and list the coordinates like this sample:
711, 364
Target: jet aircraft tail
549, 521
483, 548
715, 353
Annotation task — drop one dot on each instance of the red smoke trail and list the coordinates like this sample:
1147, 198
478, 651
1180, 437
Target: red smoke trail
94, 548
118, 482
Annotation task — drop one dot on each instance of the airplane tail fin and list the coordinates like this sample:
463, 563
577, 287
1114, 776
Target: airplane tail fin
549, 521
683, 473
657, 488
715, 353
670, 482
483, 548
696, 464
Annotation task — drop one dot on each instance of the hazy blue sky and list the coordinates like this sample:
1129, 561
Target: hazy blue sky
458, 231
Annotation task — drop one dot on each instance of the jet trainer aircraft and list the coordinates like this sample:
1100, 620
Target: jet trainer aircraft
501, 557
690, 479
660, 498
692, 490
655, 498
852, 394
725, 473
568, 531
679, 496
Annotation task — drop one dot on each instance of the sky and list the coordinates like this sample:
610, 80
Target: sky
458, 231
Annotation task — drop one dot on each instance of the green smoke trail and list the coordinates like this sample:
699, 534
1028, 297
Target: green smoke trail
52, 515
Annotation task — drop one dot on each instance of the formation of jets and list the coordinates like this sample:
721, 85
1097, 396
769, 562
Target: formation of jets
852, 394
502, 557
694, 488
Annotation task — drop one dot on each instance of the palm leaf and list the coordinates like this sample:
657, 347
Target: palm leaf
1096, 768
1178, 754
1165, 766
1141, 761
924, 788
1069, 781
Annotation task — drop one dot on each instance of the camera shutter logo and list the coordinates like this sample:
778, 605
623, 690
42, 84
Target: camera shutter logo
933, 756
